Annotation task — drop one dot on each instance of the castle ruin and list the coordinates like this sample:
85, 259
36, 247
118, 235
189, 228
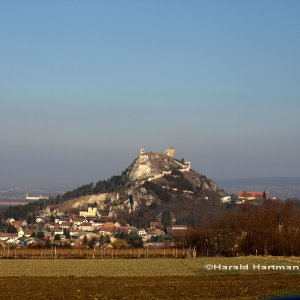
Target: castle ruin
169, 152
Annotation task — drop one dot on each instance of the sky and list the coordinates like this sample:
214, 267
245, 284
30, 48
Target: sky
85, 84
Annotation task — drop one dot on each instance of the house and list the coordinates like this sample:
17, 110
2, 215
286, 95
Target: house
35, 198
179, 227
253, 196
39, 220
91, 212
8, 236
107, 228
226, 199
16, 224
142, 233
117, 225
156, 225
65, 225
21, 233
63, 219
29, 232
10, 220
50, 225
57, 231
123, 229
104, 219
75, 233
177, 230
97, 223
155, 232
241, 201
87, 226
41, 225
78, 221
108, 225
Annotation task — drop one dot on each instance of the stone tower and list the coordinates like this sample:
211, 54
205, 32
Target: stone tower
142, 151
170, 152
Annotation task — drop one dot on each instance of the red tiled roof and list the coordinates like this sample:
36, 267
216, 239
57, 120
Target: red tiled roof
86, 224
108, 225
8, 235
105, 219
66, 224
155, 224
252, 194
72, 231
29, 231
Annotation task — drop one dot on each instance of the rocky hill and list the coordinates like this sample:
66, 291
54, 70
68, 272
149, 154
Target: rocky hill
155, 184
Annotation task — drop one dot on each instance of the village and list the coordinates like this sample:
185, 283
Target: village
88, 229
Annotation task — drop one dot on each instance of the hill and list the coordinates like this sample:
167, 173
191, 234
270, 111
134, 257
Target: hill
155, 185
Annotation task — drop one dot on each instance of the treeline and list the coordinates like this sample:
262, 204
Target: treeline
4, 227
22, 211
101, 186
269, 229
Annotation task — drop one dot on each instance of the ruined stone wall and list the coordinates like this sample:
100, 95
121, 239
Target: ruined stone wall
170, 152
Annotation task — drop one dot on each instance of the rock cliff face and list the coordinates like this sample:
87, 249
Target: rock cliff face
101, 200
153, 183
166, 170
150, 166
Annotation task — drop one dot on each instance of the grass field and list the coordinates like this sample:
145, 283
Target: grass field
145, 279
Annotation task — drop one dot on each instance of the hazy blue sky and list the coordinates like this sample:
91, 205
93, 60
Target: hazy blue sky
85, 84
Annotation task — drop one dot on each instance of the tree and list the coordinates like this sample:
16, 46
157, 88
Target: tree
11, 229
135, 240
48, 244
67, 233
52, 218
167, 219
120, 244
92, 242
30, 219
85, 240
104, 239
40, 235
131, 201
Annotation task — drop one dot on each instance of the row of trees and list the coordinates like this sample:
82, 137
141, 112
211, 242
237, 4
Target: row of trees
123, 241
269, 229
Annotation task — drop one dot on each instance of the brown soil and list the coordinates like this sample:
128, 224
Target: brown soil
194, 287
